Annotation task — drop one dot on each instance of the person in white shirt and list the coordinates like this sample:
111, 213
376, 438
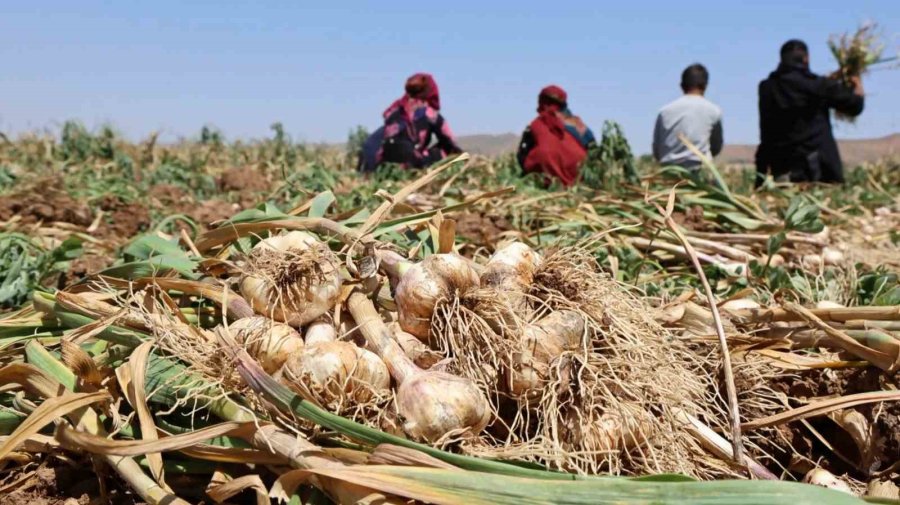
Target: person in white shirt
691, 116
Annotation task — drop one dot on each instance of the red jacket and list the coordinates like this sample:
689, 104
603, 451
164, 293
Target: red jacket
557, 155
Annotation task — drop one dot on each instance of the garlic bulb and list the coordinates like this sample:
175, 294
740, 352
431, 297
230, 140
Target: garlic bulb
824, 478
334, 370
339, 370
319, 331
436, 278
270, 342
437, 404
511, 267
609, 432
510, 273
540, 344
832, 256
293, 278
433, 404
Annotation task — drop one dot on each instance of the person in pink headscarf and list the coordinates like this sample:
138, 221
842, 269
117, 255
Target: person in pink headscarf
415, 133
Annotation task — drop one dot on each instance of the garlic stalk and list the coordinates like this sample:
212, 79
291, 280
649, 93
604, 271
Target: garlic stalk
433, 404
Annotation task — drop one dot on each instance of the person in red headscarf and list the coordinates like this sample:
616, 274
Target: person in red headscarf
415, 133
557, 141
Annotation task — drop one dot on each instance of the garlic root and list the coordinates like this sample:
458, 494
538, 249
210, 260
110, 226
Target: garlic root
423, 285
293, 278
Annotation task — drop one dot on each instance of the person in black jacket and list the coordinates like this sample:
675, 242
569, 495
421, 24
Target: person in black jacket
796, 141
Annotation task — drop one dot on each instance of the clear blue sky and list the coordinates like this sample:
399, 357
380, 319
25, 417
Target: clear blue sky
323, 67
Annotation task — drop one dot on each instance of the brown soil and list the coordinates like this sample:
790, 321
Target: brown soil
243, 179
176, 201
63, 485
122, 219
692, 219
85, 266
884, 418
169, 195
480, 229
210, 211
46, 201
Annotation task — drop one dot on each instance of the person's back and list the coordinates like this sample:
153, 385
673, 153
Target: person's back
556, 142
796, 139
411, 124
691, 117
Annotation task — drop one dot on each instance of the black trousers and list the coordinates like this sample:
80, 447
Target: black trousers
402, 150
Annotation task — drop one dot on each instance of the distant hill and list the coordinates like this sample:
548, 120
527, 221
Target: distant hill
853, 152
489, 145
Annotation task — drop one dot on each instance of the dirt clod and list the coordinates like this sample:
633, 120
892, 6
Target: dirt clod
122, 219
45, 201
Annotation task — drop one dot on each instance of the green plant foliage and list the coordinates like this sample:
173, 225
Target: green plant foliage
26, 266
611, 160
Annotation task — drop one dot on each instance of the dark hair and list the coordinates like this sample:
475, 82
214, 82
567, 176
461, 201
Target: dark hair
416, 86
694, 77
794, 52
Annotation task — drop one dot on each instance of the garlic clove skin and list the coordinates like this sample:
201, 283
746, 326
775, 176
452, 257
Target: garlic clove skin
824, 478
319, 331
612, 432
515, 262
541, 343
832, 256
740, 304
434, 404
337, 370
510, 273
270, 342
437, 277
304, 301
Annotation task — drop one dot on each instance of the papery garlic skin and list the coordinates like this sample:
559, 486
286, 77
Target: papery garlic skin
319, 331
304, 301
509, 273
824, 478
340, 370
512, 266
436, 278
434, 405
270, 342
832, 256
540, 344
